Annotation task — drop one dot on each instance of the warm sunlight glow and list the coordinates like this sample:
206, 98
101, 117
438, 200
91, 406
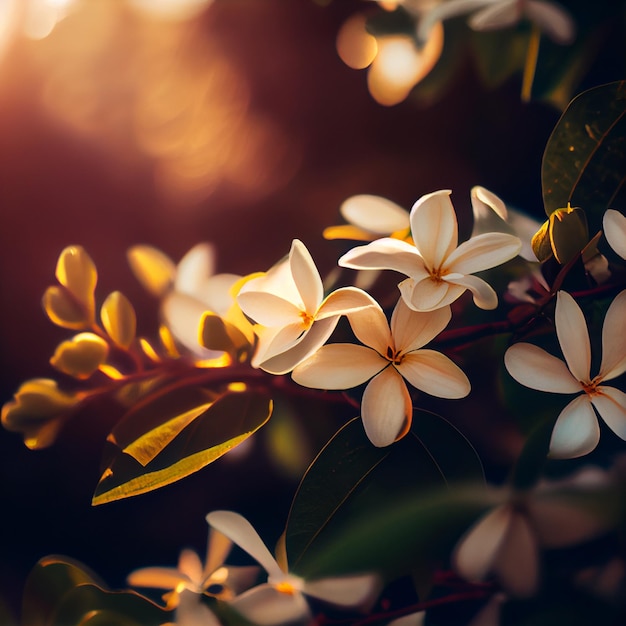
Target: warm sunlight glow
9, 14
237, 386
355, 46
43, 15
170, 9
400, 65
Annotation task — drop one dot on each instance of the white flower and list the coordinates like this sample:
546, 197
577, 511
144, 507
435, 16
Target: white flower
192, 612
282, 599
293, 315
388, 357
438, 271
577, 431
614, 225
191, 575
549, 17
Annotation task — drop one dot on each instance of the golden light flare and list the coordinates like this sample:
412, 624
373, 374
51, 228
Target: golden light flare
159, 90
400, 65
355, 46
42, 16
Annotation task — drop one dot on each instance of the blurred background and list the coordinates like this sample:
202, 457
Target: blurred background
169, 122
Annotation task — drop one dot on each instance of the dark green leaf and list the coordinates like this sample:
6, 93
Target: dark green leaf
584, 163
227, 422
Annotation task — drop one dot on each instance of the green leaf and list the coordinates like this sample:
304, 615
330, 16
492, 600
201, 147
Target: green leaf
351, 483
227, 422
584, 163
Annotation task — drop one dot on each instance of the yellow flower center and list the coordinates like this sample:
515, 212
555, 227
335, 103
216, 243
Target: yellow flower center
591, 388
307, 320
285, 587
438, 273
395, 356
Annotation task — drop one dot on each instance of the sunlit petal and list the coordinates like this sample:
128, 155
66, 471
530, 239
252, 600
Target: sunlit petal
347, 231
386, 408
552, 19
371, 328
375, 214
304, 347
190, 565
445, 10
475, 553
427, 294
305, 276
434, 373
339, 366
195, 268
483, 294
345, 591
152, 268
216, 292
413, 329
275, 341
218, 548
535, 368
434, 227
268, 309
386, 253
156, 578
265, 605
192, 612
576, 431
343, 301
483, 252
614, 339
239, 530
611, 405
571, 329
517, 561
496, 16
614, 224
490, 213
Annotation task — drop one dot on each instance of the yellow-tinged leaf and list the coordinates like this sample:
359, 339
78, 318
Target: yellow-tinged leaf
146, 447
541, 242
568, 233
152, 268
228, 421
348, 231
64, 310
37, 411
218, 334
81, 356
119, 319
77, 272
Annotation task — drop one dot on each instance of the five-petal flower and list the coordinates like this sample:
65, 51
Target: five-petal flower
282, 599
438, 270
577, 431
387, 358
293, 316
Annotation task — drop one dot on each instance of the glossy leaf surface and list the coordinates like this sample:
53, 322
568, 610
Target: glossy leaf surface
354, 488
227, 422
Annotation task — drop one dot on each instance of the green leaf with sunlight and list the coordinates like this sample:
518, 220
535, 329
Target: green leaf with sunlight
62, 591
225, 423
584, 163
351, 482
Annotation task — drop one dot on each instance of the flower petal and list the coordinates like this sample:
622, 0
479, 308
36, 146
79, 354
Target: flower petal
434, 373
552, 19
375, 214
533, 367
385, 254
266, 606
614, 340
192, 612
156, 578
611, 405
434, 228
343, 301
571, 329
483, 252
194, 269
386, 408
305, 276
275, 341
475, 554
496, 16
413, 329
614, 225
517, 561
348, 591
445, 10
490, 214
576, 431
482, 293
308, 344
339, 366
371, 328
240, 531
190, 565
218, 548
428, 294
268, 309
